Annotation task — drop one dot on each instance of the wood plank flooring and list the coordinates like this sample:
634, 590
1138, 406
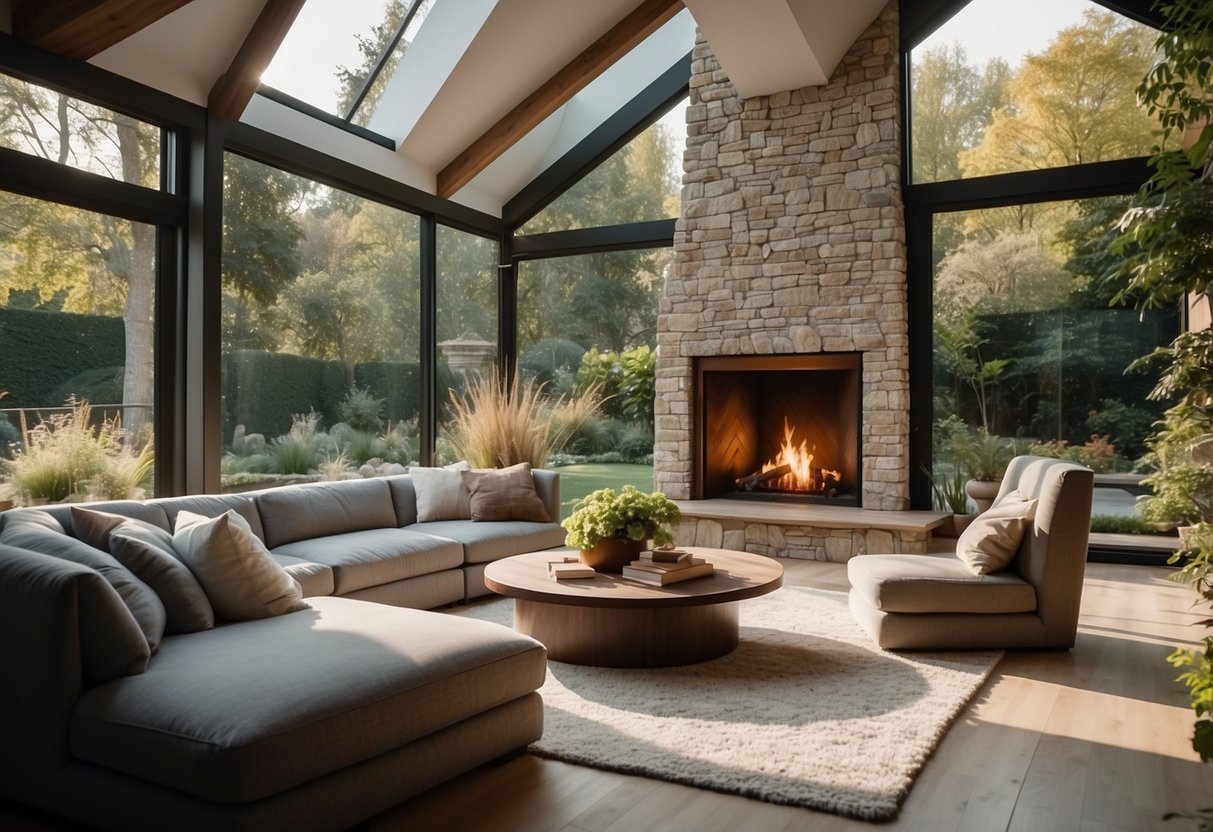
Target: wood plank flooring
1091, 740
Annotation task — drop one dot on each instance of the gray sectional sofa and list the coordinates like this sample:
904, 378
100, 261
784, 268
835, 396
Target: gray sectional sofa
313, 719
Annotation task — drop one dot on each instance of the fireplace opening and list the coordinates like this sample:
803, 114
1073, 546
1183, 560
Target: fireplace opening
778, 427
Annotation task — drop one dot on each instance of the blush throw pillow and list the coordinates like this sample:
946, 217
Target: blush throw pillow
241, 579
441, 494
990, 542
504, 494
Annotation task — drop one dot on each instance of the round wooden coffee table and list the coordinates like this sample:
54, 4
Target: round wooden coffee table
610, 621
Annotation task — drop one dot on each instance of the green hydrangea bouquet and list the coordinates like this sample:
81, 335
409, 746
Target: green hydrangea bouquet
629, 514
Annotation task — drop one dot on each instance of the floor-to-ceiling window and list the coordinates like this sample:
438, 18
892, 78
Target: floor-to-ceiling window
78, 293
321, 329
1024, 146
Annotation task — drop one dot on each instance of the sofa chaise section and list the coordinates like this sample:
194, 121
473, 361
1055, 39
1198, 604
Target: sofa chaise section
314, 719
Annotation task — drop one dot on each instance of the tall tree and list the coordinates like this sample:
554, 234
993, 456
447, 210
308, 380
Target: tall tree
1074, 103
94, 262
952, 104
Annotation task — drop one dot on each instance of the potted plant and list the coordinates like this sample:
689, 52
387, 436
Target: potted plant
611, 528
986, 456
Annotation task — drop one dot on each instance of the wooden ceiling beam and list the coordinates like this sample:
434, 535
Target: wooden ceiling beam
81, 29
645, 19
234, 89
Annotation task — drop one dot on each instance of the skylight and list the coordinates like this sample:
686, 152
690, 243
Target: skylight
338, 56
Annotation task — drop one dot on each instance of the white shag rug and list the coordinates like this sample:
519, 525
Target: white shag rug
807, 711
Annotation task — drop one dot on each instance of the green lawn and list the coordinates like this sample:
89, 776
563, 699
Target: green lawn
576, 481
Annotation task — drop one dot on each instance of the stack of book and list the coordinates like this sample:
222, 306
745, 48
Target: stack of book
667, 566
569, 569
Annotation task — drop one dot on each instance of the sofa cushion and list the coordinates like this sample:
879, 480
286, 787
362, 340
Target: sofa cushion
148, 551
404, 498
88, 616
335, 685
40, 532
212, 505
94, 527
990, 542
376, 556
936, 583
504, 494
441, 493
303, 512
314, 578
241, 579
484, 542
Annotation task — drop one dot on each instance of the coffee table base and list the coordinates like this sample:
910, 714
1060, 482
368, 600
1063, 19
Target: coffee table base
630, 637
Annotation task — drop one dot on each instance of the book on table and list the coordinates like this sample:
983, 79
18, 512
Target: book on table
570, 569
662, 574
668, 555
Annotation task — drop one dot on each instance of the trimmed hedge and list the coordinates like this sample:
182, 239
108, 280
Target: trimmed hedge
45, 353
263, 390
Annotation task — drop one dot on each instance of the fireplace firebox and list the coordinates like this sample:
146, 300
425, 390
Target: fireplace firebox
778, 427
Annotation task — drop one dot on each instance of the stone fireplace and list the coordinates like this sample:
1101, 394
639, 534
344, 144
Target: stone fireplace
778, 427
791, 242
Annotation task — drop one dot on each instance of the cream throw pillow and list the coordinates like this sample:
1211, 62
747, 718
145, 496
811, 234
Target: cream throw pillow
441, 494
990, 542
240, 577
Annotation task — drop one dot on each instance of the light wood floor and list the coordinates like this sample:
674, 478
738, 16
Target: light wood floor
1091, 740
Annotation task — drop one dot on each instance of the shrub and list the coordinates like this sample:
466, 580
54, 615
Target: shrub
636, 446
402, 443
295, 452
1125, 425
361, 410
1118, 524
496, 425
545, 359
68, 457
363, 445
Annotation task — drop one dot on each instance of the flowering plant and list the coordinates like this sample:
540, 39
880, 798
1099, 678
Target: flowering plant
629, 514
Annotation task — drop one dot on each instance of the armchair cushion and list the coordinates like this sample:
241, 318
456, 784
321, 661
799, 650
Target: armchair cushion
936, 583
990, 542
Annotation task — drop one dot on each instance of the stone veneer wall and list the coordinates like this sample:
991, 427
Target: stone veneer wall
792, 240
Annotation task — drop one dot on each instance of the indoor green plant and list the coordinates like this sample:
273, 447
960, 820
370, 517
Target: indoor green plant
986, 456
612, 527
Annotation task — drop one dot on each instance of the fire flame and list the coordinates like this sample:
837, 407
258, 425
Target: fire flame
799, 458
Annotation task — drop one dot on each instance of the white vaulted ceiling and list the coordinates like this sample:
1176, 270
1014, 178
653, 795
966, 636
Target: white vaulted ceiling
473, 61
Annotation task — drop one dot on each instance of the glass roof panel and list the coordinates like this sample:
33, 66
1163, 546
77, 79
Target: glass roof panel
370, 102
334, 46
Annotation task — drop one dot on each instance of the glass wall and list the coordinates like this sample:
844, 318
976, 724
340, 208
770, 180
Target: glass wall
321, 329
1055, 87
77, 309
467, 320
589, 323
640, 182
1028, 341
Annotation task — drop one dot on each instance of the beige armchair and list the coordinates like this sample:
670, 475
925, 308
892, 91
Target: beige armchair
937, 602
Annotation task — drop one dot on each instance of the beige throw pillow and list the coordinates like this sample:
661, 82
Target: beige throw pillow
990, 542
441, 494
505, 494
240, 577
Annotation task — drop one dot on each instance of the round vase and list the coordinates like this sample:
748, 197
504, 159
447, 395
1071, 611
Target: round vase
982, 492
611, 554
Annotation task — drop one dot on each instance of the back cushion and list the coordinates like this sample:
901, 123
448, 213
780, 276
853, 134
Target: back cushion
306, 511
40, 532
212, 505
404, 498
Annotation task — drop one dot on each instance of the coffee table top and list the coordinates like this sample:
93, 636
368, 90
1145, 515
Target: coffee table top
739, 575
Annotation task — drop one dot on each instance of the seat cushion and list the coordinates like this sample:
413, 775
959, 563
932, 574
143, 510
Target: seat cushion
936, 583
313, 578
489, 541
246, 710
376, 556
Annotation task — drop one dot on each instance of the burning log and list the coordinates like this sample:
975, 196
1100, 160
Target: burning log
754, 481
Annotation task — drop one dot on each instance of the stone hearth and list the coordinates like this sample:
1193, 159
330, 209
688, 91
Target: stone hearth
792, 240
